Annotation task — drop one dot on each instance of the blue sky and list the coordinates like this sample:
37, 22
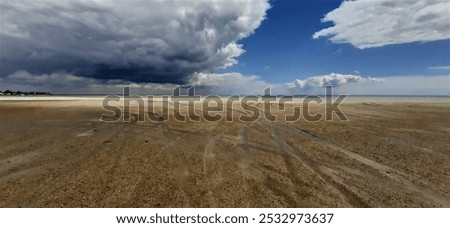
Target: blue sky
282, 49
368, 47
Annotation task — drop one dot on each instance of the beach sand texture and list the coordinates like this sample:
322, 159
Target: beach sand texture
59, 154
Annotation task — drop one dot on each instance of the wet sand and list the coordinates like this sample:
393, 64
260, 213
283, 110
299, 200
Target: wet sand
59, 154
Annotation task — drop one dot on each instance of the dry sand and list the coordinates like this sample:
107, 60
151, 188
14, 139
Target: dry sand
59, 154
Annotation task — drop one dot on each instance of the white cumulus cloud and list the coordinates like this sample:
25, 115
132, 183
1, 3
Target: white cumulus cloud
332, 79
228, 83
376, 23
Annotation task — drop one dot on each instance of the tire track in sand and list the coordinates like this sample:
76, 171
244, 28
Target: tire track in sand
346, 194
31, 200
394, 174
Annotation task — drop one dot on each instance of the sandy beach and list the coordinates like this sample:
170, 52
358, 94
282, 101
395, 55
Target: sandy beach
57, 153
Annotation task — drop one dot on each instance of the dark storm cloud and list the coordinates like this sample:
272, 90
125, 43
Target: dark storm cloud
141, 41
